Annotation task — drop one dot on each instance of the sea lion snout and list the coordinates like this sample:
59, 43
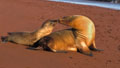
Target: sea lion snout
49, 23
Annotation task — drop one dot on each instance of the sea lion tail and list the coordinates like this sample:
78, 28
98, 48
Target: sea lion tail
4, 39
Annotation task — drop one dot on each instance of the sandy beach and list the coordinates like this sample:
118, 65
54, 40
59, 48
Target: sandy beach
28, 15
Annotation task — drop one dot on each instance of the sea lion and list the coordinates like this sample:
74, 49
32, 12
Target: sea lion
80, 38
84, 33
29, 38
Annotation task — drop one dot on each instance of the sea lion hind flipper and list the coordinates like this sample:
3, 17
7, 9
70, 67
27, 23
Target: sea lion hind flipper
83, 48
4, 39
93, 47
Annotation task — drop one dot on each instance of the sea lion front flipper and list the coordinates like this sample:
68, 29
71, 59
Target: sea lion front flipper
34, 46
93, 47
83, 48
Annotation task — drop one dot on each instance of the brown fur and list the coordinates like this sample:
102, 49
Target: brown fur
84, 34
29, 38
80, 38
63, 40
60, 41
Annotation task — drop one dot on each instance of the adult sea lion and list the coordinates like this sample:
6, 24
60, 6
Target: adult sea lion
84, 33
29, 38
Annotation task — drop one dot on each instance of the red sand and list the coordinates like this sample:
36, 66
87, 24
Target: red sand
28, 15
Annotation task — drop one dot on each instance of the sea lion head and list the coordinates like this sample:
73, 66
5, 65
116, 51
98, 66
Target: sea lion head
47, 27
67, 20
49, 23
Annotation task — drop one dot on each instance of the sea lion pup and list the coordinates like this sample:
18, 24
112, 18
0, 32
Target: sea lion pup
84, 33
29, 38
